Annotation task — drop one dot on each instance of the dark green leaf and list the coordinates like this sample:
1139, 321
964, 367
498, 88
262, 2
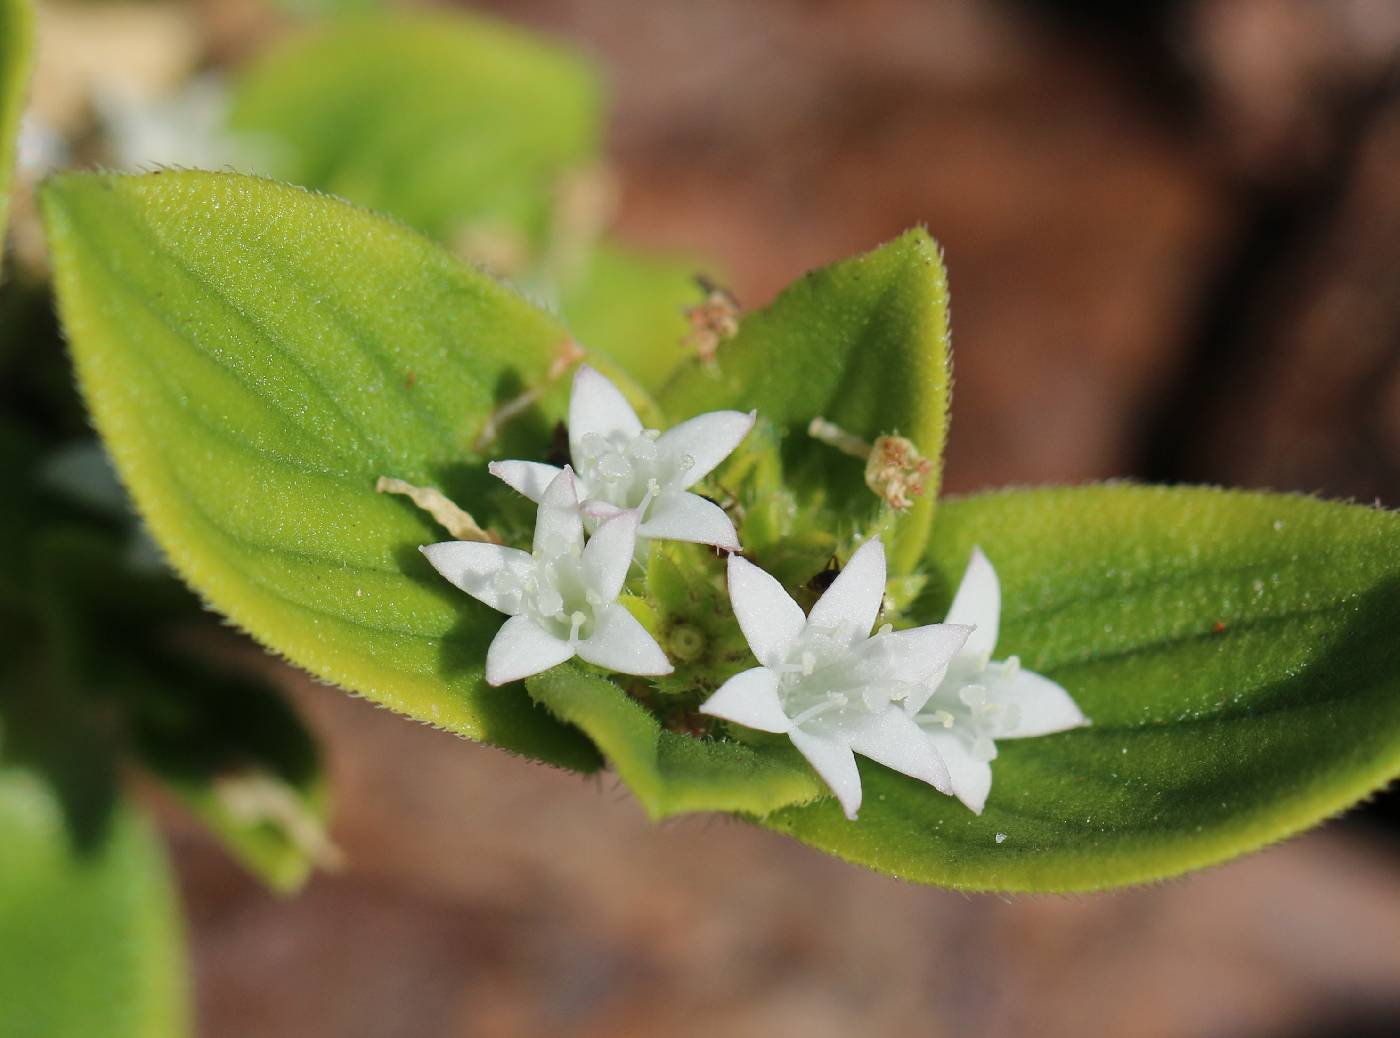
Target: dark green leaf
255, 357
1237, 654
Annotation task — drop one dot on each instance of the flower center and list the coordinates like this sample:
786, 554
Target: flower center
555, 595
630, 471
969, 702
826, 674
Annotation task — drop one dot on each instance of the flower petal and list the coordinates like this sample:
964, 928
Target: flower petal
978, 602
893, 739
530, 478
854, 598
521, 649
1044, 706
608, 556
835, 763
558, 524
769, 618
598, 406
474, 567
750, 699
689, 517
972, 778
620, 643
705, 440
920, 653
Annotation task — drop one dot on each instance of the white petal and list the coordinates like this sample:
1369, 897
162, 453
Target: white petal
978, 603
750, 699
1044, 706
835, 763
972, 778
598, 406
558, 524
769, 618
893, 739
689, 517
530, 478
919, 654
705, 441
522, 648
853, 600
620, 643
608, 555
474, 566
600, 511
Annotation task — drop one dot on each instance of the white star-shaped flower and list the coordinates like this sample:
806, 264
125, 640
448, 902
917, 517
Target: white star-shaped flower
978, 701
827, 684
623, 466
562, 598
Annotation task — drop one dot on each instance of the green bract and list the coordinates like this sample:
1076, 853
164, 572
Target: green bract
16, 41
256, 356
862, 343
89, 937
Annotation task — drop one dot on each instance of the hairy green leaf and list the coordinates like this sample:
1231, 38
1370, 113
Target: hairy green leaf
453, 124
672, 772
90, 939
1237, 654
862, 343
255, 356
16, 42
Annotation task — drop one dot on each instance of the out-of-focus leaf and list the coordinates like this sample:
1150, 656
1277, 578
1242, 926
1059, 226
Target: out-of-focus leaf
230, 746
255, 357
1237, 654
447, 122
16, 44
862, 343
90, 941
632, 308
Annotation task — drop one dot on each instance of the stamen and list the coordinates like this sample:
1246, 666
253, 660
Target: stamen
973, 695
835, 702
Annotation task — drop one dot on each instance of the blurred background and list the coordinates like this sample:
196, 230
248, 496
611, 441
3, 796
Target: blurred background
1173, 235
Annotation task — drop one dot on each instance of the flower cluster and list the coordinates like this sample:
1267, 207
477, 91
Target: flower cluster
928, 701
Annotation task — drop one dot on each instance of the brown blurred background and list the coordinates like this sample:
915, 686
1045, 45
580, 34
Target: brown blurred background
1173, 232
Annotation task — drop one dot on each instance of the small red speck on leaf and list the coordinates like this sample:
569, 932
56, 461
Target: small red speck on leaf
1218, 627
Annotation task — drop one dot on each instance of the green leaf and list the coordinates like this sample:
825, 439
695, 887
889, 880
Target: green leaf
670, 772
448, 122
631, 307
255, 356
16, 44
90, 942
1237, 654
862, 343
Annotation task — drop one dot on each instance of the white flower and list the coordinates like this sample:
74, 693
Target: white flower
978, 701
623, 466
826, 683
562, 598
